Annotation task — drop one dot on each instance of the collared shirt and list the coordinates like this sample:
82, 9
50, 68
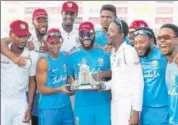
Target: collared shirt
14, 78
127, 78
70, 40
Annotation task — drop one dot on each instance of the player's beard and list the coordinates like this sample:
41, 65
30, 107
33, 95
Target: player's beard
88, 47
147, 51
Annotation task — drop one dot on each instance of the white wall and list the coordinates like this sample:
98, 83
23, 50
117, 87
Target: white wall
89, 10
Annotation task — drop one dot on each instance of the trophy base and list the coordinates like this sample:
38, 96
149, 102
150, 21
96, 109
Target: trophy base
84, 87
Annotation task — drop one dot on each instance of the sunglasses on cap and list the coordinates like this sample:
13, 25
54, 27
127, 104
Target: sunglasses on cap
118, 22
165, 37
141, 32
85, 34
54, 34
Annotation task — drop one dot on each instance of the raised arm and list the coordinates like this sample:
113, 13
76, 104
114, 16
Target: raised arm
5, 50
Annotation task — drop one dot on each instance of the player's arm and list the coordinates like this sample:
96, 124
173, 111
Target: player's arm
41, 77
5, 50
138, 82
31, 91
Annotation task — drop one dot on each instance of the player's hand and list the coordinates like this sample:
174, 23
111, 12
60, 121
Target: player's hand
30, 45
27, 116
134, 120
64, 89
20, 61
70, 80
97, 77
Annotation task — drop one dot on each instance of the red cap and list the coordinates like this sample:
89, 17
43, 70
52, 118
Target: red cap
19, 28
53, 34
39, 13
70, 6
87, 26
136, 24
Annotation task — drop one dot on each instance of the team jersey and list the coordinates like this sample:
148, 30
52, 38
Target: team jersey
14, 78
172, 84
57, 76
98, 61
154, 69
101, 37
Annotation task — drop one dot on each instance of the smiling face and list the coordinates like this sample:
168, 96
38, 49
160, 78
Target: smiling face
41, 25
167, 40
86, 38
142, 44
114, 34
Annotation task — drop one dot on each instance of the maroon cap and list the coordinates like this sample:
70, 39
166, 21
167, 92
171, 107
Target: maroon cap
19, 28
53, 34
39, 13
70, 6
86, 26
136, 24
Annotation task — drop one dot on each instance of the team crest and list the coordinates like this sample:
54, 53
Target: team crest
100, 61
155, 64
22, 26
70, 5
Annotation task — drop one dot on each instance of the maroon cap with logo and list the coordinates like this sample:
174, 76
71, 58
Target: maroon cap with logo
19, 28
70, 6
86, 26
53, 34
39, 13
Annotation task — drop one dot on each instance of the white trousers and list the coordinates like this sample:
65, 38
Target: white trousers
120, 112
13, 111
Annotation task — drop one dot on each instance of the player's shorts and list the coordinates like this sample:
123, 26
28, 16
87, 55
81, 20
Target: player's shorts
154, 116
60, 116
92, 115
13, 111
35, 104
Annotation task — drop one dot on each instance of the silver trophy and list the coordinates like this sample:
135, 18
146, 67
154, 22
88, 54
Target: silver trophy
85, 80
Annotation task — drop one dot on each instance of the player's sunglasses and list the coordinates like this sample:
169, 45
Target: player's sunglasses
141, 32
85, 34
118, 22
54, 34
165, 37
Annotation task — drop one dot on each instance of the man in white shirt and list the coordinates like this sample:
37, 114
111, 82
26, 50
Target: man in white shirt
15, 79
36, 43
69, 31
126, 83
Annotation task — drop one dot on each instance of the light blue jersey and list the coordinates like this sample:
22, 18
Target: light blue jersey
172, 84
91, 107
57, 75
101, 38
154, 69
155, 98
98, 61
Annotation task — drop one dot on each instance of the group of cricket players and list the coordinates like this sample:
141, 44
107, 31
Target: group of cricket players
138, 71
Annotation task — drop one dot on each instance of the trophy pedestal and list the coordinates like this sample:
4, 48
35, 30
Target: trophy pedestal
84, 87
